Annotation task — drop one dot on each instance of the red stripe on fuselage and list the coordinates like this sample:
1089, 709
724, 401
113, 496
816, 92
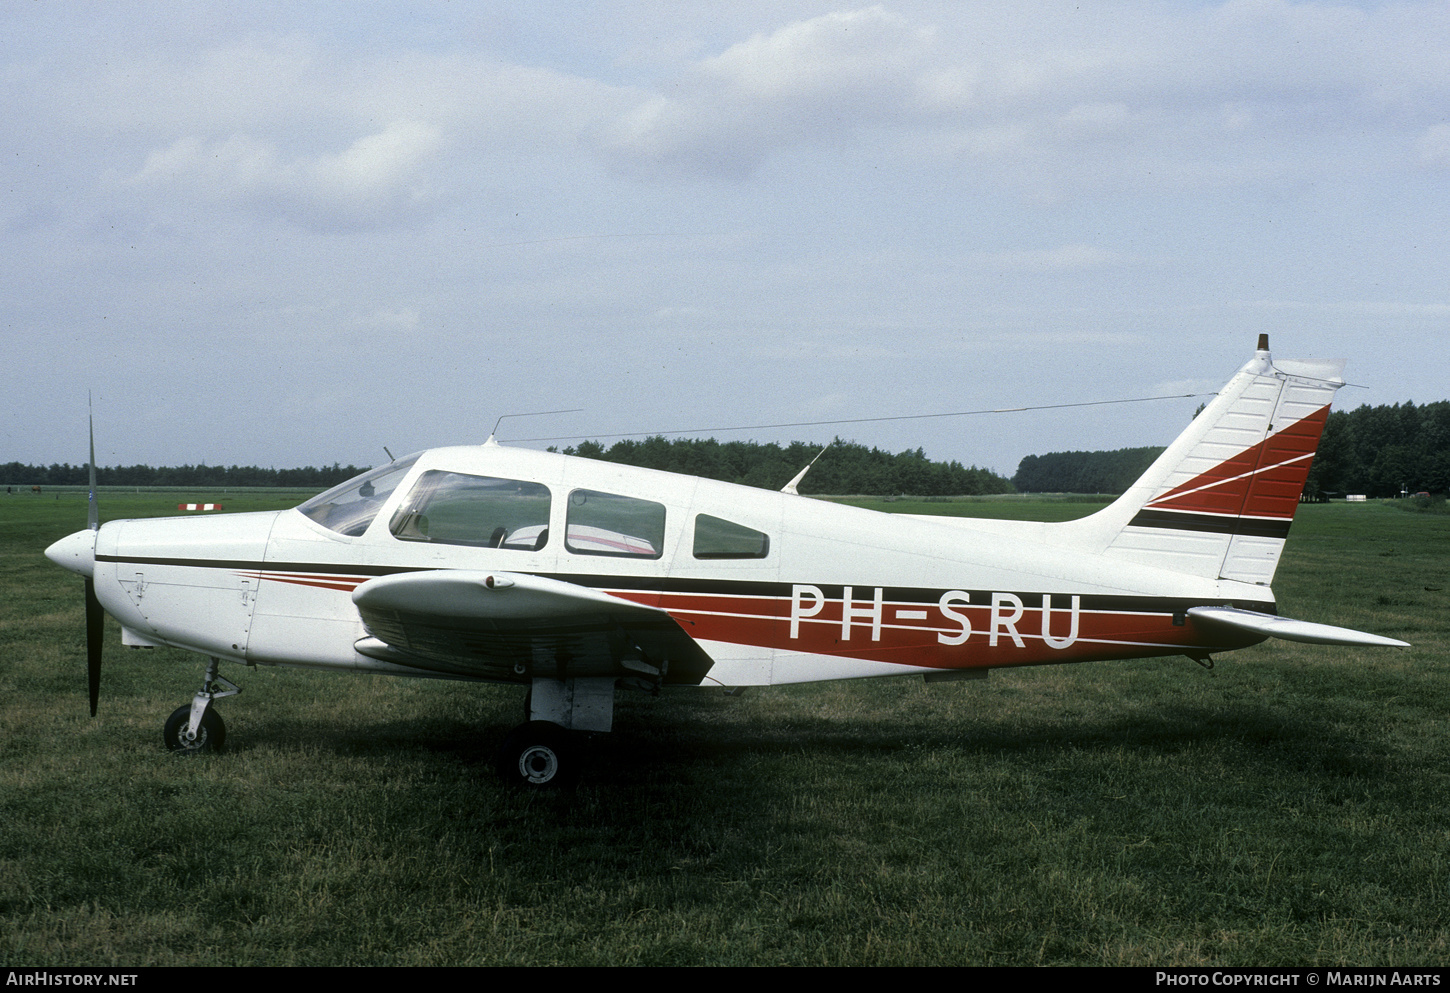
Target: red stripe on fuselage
765, 622
916, 633
321, 581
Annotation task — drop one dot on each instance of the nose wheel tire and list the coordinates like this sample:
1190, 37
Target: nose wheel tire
209, 737
537, 754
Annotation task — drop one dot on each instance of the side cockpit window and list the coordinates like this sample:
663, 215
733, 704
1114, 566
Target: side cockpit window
453, 508
717, 538
348, 508
610, 524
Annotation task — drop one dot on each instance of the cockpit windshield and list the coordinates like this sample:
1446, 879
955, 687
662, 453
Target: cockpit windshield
348, 508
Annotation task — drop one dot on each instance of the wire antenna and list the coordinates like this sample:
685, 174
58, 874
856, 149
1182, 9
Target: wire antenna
866, 420
535, 413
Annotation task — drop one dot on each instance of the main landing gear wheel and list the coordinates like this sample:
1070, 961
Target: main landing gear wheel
537, 754
209, 737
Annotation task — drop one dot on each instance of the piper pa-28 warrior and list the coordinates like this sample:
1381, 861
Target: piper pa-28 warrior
576, 577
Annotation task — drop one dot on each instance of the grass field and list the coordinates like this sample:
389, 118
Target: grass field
1288, 807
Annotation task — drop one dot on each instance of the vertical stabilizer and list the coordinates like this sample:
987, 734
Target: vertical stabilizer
1219, 501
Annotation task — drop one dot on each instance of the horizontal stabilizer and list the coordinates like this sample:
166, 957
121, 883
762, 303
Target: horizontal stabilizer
1287, 628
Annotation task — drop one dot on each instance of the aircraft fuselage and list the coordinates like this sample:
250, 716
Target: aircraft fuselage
826, 591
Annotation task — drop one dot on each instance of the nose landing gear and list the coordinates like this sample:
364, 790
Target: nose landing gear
196, 727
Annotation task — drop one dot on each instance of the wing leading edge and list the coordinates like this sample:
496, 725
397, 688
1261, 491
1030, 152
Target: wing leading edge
513, 627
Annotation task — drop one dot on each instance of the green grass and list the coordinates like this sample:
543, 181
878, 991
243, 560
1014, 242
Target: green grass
1287, 807
1434, 504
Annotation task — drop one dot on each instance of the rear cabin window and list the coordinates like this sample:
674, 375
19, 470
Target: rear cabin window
452, 508
717, 538
610, 524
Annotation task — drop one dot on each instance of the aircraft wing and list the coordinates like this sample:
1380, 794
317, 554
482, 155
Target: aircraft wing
513, 626
1287, 628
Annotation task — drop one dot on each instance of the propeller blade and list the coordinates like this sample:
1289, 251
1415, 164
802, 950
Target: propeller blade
95, 625
95, 615
93, 512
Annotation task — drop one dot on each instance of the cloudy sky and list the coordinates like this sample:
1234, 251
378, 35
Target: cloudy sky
289, 234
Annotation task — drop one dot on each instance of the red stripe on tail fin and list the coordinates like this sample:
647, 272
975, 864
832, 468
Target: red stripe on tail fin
1217, 504
1263, 481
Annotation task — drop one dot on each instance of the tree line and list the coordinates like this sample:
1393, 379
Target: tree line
1083, 472
845, 467
64, 474
1378, 451
1383, 451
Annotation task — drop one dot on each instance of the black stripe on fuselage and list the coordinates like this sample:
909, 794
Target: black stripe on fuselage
1178, 520
252, 565
860, 593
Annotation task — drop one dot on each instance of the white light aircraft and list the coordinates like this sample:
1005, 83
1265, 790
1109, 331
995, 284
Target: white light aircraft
575, 577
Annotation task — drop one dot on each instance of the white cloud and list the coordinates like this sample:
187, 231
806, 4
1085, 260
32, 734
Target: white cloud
1064, 258
1095, 120
931, 186
1031, 87
1362, 309
377, 163
378, 178
857, 52
686, 315
810, 80
393, 320
1434, 146
1005, 86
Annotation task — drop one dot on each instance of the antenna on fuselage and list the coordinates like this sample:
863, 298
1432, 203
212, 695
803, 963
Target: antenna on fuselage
790, 487
390, 454
535, 413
